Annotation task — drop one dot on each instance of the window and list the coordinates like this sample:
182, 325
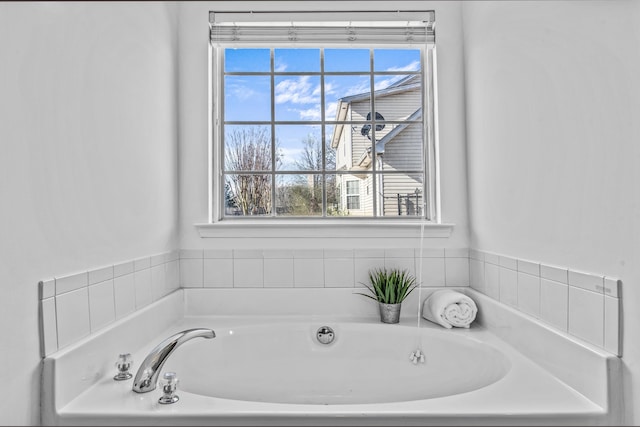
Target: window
353, 195
303, 110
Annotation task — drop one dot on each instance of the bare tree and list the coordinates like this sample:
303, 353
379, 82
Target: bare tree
307, 194
248, 150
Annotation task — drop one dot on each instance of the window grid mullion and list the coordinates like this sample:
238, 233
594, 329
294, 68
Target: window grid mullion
323, 149
375, 173
273, 136
372, 108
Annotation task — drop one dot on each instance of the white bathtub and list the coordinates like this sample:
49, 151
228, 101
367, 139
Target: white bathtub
270, 370
367, 363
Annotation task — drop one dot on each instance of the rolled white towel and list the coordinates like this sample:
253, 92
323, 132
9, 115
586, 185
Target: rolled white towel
449, 309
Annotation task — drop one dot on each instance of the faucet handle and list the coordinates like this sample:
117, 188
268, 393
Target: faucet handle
123, 364
169, 383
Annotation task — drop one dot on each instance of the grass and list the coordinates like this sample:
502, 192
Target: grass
389, 286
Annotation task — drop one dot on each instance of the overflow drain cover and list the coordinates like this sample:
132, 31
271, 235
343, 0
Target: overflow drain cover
325, 335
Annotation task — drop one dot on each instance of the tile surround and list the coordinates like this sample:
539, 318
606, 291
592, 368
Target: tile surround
584, 305
586, 315
317, 268
76, 305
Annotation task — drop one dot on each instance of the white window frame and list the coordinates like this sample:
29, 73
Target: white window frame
432, 217
352, 194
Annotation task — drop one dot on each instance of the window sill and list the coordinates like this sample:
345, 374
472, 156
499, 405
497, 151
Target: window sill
326, 229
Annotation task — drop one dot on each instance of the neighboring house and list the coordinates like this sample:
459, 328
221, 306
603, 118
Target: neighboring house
398, 151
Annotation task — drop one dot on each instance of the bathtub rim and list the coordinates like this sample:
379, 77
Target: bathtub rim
174, 307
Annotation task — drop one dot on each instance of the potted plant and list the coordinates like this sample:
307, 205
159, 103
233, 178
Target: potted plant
389, 288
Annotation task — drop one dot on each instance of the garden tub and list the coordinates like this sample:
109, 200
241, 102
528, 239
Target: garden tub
272, 370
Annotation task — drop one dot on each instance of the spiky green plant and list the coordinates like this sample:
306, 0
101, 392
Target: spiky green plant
389, 286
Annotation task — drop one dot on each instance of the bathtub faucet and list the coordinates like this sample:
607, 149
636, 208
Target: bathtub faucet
147, 377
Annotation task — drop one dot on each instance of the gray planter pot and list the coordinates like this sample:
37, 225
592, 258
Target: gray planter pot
389, 313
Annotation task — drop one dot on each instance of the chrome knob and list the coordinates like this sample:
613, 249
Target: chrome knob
169, 383
124, 364
325, 335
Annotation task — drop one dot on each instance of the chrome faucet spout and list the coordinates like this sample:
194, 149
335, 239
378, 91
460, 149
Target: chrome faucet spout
147, 377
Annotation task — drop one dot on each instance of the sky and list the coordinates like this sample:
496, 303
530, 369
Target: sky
298, 97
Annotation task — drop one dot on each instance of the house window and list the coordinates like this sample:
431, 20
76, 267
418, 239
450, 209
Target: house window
353, 195
301, 110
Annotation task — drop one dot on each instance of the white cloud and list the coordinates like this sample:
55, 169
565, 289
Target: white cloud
310, 114
329, 89
362, 87
280, 67
414, 66
383, 84
297, 91
241, 92
330, 113
289, 156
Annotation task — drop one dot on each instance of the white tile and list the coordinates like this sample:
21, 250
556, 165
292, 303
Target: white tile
158, 282
218, 273
171, 277
457, 271
532, 268
172, 272
123, 268
191, 253
476, 254
248, 273
72, 311
124, 295
309, 254
399, 253
612, 325
529, 294
338, 253
218, 253
554, 303
492, 280
49, 327
158, 259
338, 273
586, 315
429, 253
142, 288
71, 282
456, 252
278, 272
47, 288
308, 273
587, 281
612, 287
141, 263
508, 262
101, 305
368, 253
278, 254
362, 267
191, 273
508, 286
100, 275
247, 254
557, 274
492, 258
408, 264
172, 256
477, 275
432, 272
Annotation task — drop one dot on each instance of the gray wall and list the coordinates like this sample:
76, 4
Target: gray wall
552, 132
88, 169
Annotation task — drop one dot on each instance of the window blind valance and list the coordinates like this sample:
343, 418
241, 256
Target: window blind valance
323, 27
